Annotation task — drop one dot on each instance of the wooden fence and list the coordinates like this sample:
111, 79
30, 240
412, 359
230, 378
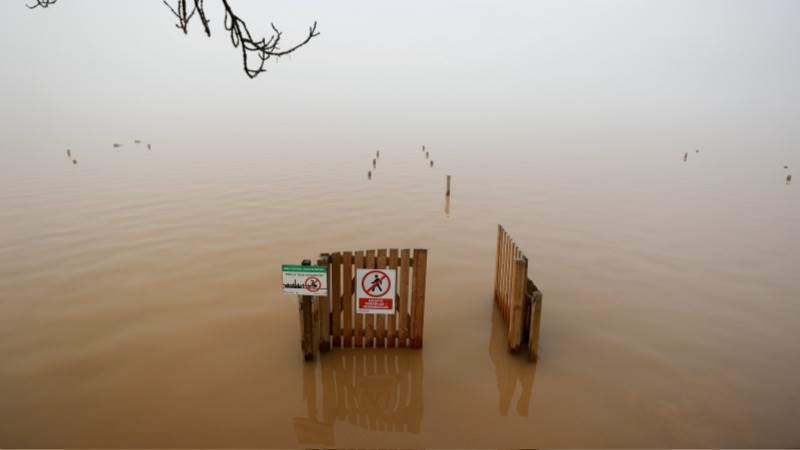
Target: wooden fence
516, 296
335, 322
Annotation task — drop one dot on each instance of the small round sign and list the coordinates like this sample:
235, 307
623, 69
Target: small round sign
313, 284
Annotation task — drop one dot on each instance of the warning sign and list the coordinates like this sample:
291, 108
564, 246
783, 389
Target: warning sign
305, 280
376, 291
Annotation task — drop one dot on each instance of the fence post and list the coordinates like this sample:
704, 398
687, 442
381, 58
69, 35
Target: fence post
519, 279
306, 306
418, 296
536, 317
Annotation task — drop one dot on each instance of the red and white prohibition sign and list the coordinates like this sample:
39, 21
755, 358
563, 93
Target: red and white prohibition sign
313, 284
375, 291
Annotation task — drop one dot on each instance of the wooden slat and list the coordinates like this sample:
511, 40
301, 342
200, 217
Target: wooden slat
497, 260
347, 298
507, 265
336, 299
418, 296
505, 280
518, 293
358, 331
536, 318
404, 282
392, 324
380, 331
506, 275
369, 340
513, 273
324, 312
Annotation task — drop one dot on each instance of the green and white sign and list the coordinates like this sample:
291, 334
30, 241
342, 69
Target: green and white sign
305, 280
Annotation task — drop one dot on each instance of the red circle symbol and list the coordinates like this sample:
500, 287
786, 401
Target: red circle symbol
376, 283
313, 284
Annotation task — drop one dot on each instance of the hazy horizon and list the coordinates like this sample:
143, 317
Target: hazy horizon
719, 74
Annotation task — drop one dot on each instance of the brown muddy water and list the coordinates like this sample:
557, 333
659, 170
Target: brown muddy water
140, 302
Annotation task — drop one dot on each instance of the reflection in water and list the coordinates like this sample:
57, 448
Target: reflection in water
447, 205
377, 390
510, 369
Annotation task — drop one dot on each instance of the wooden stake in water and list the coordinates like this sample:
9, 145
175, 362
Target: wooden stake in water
378, 154
426, 155
448, 186
308, 323
373, 163
431, 163
535, 326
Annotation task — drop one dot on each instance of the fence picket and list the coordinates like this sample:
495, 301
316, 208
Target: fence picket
392, 325
369, 342
347, 299
403, 332
418, 296
380, 332
359, 318
336, 293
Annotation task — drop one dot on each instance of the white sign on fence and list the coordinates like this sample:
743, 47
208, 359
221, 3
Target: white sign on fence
376, 291
305, 280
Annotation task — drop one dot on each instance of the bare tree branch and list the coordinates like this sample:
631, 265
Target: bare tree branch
181, 14
263, 48
42, 3
255, 51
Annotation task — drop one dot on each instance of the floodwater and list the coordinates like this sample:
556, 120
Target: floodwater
140, 298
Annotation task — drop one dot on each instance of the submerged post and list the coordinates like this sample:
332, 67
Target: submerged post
515, 319
306, 307
535, 326
448, 186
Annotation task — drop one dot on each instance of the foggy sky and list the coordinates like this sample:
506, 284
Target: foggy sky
709, 72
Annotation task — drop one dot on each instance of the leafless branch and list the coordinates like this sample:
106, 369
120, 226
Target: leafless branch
263, 48
255, 51
42, 3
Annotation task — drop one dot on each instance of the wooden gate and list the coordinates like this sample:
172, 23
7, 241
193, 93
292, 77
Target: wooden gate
335, 321
516, 296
